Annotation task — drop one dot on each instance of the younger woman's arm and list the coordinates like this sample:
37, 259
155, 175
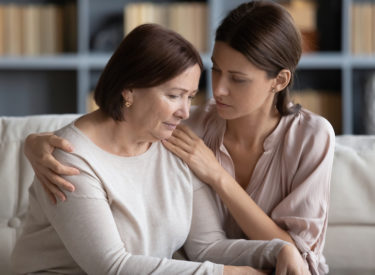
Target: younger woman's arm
38, 149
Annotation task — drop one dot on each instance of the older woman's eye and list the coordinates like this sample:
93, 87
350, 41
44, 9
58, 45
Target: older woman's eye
173, 96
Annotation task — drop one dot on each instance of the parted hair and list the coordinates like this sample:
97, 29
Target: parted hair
265, 33
147, 57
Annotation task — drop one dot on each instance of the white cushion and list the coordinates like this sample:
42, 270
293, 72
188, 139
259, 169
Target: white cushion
16, 175
353, 181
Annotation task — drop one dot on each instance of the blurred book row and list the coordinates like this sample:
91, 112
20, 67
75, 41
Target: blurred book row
188, 19
37, 29
363, 27
304, 14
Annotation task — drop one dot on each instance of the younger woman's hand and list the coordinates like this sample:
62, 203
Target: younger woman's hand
38, 149
190, 148
290, 262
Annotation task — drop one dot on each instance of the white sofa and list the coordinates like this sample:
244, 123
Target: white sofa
350, 245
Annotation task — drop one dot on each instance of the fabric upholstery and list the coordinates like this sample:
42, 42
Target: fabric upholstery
350, 240
16, 175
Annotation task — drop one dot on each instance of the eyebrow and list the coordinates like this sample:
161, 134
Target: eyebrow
231, 71
182, 89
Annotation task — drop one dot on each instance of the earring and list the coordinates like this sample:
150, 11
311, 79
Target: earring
273, 90
127, 104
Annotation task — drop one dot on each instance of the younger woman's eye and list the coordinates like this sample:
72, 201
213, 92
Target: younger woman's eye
214, 69
238, 80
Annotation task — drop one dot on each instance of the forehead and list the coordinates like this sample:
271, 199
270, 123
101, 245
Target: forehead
188, 79
230, 59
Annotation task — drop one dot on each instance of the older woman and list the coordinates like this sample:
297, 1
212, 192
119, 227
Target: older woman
136, 203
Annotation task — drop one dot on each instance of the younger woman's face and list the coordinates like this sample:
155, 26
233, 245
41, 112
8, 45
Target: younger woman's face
239, 88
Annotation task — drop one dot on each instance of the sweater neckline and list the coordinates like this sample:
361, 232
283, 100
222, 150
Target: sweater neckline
95, 147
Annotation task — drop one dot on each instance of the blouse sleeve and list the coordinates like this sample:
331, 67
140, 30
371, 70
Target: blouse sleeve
304, 211
207, 240
85, 224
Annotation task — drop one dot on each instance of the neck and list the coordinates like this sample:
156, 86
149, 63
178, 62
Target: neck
116, 137
251, 131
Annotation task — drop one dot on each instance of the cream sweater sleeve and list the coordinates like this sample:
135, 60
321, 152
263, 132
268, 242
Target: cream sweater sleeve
86, 226
207, 240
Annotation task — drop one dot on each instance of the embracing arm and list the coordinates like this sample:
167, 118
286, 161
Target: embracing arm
38, 149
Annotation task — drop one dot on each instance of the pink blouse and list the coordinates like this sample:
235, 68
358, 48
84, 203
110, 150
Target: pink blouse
291, 180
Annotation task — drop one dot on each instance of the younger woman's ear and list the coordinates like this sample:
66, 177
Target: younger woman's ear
283, 79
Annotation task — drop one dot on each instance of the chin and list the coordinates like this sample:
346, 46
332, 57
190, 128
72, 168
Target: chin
161, 136
225, 115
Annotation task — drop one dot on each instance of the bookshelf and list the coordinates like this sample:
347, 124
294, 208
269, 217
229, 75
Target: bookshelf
60, 83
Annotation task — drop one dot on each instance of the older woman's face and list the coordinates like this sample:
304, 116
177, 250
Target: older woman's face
157, 111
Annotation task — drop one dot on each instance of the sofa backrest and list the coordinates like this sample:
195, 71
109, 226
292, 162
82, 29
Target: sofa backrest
350, 243
16, 175
351, 229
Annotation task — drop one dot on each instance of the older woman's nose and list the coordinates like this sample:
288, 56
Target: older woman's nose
184, 110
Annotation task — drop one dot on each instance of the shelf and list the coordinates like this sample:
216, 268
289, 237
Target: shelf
322, 61
60, 62
78, 71
99, 60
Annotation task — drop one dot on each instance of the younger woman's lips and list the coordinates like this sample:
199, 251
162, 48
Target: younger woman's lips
218, 103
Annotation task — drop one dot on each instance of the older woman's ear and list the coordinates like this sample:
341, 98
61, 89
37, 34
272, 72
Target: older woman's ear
127, 95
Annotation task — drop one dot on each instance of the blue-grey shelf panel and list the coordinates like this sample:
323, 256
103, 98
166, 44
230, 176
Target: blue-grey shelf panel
322, 61
52, 62
99, 60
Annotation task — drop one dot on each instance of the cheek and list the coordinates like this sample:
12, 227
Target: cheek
161, 111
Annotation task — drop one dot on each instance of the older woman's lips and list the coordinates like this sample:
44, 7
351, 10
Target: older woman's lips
170, 126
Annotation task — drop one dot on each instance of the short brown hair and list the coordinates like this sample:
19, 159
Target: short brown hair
265, 33
148, 56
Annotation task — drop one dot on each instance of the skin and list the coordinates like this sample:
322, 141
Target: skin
244, 96
167, 105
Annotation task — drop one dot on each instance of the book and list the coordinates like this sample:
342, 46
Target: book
31, 30
304, 13
2, 30
186, 18
51, 29
70, 27
12, 30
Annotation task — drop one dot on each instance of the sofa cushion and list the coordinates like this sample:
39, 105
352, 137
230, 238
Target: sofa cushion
353, 181
349, 247
16, 175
